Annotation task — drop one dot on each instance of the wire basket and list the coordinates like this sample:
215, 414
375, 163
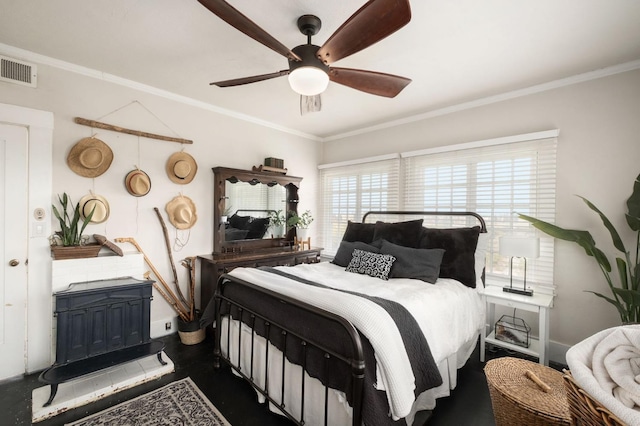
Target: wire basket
514, 330
586, 411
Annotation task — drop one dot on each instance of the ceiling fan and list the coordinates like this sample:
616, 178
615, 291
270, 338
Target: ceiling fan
310, 67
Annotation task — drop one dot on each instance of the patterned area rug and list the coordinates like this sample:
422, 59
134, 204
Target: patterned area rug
178, 403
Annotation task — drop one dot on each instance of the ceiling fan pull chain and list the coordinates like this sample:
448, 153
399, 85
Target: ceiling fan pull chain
310, 104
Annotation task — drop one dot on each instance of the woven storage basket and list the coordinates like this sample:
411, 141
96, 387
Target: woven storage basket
518, 400
192, 337
586, 411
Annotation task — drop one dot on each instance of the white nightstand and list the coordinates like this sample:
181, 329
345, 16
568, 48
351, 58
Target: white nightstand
540, 303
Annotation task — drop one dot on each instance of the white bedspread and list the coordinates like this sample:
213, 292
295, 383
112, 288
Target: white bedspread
607, 367
449, 314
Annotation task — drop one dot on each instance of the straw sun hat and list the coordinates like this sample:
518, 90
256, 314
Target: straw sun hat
182, 212
181, 168
137, 183
91, 201
90, 157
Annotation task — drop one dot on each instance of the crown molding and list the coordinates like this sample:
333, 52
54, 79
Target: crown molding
99, 75
67, 66
579, 78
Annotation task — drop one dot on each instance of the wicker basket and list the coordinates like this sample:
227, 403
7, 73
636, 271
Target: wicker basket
586, 411
518, 400
192, 337
190, 332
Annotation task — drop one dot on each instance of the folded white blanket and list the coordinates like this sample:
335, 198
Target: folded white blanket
607, 367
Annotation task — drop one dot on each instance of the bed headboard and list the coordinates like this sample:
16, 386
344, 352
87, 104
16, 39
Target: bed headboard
420, 214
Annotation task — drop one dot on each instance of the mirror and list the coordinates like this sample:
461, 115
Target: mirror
243, 202
248, 207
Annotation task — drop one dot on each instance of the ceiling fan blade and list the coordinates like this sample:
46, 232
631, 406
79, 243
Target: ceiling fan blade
247, 80
371, 23
233, 17
376, 83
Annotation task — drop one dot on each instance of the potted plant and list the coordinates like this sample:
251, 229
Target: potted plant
225, 215
301, 223
68, 243
626, 295
277, 222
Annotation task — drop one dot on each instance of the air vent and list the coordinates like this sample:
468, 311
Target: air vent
18, 72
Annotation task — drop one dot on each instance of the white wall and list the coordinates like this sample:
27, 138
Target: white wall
598, 157
218, 141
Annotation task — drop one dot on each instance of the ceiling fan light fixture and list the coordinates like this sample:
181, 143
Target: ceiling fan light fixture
308, 80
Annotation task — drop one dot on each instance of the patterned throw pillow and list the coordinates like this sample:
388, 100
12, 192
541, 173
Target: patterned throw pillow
372, 264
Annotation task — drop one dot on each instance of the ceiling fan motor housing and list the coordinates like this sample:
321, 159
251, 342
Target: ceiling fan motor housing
309, 76
307, 52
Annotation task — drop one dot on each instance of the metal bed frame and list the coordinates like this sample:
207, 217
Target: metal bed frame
355, 360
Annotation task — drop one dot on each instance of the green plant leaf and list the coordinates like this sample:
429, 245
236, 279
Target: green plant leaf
615, 237
621, 310
622, 272
629, 297
86, 221
583, 238
635, 277
633, 207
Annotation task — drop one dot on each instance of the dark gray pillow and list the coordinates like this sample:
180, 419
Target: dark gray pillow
373, 264
239, 222
359, 232
257, 228
460, 244
405, 234
345, 251
421, 264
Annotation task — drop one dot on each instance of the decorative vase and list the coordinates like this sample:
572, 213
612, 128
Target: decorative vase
302, 233
75, 252
278, 231
190, 332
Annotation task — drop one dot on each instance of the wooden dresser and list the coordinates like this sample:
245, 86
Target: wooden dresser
214, 265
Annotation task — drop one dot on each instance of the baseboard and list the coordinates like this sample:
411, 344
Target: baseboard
558, 352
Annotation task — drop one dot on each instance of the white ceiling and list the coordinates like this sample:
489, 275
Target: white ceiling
455, 51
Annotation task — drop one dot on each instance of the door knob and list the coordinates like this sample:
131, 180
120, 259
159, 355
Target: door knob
14, 262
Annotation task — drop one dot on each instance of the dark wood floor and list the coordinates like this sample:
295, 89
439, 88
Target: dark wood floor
469, 403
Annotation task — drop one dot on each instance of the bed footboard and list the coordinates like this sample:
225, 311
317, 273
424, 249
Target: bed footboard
337, 361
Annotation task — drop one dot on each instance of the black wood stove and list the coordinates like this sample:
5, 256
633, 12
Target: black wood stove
101, 324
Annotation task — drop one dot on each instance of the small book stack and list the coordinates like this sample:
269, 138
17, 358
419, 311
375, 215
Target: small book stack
271, 164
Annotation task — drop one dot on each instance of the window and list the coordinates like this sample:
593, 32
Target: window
494, 178
494, 181
349, 191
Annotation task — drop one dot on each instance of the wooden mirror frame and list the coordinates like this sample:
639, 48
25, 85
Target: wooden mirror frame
220, 177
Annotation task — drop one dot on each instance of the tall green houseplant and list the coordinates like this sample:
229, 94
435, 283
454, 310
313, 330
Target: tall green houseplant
626, 295
71, 228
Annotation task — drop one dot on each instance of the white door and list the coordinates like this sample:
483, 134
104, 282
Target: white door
13, 249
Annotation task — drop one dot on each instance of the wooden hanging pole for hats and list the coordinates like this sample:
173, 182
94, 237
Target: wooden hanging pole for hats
105, 126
